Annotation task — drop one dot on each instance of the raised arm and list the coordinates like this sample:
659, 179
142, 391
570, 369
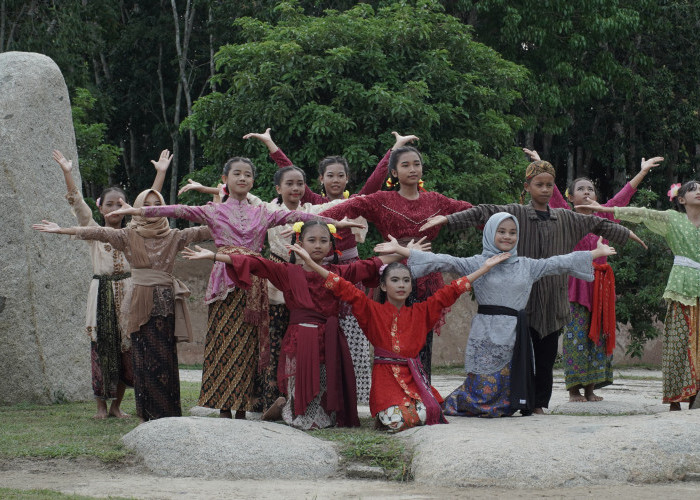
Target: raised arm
379, 175
646, 166
161, 167
75, 199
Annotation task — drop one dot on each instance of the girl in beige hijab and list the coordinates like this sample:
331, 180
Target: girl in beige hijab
158, 316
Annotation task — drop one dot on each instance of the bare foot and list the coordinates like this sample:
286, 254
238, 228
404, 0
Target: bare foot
224, 413
117, 412
593, 397
675, 407
538, 411
274, 412
575, 396
240, 415
101, 410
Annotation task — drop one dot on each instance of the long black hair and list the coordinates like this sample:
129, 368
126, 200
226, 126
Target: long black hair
307, 225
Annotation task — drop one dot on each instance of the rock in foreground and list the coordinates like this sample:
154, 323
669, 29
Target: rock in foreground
231, 449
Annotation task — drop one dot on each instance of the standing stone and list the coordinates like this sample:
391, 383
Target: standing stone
44, 351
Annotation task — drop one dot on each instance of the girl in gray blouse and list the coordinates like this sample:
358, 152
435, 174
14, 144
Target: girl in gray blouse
501, 295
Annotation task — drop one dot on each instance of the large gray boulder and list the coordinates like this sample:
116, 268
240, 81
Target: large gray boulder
557, 451
43, 278
230, 449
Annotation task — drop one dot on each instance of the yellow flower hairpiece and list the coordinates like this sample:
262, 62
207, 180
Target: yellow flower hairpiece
389, 183
566, 193
297, 226
331, 228
346, 194
420, 185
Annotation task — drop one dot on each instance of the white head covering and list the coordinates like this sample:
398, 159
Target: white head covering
489, 236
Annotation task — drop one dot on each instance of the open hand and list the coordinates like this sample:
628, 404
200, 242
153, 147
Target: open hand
402, 140
163, 162
437, 220
66, 165
199, 254
126, 209
494, 260
651, 163
421, 244
348, 223
637, 239
388, 247
297, 249
596, 207
604, 250
47, 227
190, 186
532, 154
264, 137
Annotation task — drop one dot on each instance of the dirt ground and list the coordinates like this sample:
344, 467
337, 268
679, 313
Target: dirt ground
131, 480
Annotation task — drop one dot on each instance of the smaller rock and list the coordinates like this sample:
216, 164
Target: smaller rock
359, 471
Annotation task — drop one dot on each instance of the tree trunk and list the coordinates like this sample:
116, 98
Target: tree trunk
570, 174
546, 145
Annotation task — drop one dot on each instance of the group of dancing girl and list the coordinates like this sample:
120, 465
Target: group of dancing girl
305, 333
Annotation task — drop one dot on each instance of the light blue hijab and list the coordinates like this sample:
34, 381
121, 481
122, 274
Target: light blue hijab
490, 235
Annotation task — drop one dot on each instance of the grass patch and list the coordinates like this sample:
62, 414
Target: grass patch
9, 494
455, 369
190, 367
371, 447
67, 430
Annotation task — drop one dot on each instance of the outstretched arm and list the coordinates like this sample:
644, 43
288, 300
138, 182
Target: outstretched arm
196, 186
161, 167
51, 227
393, 246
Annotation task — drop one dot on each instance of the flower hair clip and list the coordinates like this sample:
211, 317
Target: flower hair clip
389, 183
673, 192
420, 185
339, 253
566, 193
98, 202
297, 227
223, 190
333, 231
346, 194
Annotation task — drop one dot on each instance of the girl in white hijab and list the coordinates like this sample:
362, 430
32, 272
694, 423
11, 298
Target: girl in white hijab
498, 356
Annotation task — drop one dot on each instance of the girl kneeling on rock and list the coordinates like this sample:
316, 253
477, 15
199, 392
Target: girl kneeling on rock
401, 396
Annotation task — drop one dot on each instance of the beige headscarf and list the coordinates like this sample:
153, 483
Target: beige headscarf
157, 229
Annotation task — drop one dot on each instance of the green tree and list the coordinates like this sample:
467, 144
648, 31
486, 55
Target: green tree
339, 83
97, 158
